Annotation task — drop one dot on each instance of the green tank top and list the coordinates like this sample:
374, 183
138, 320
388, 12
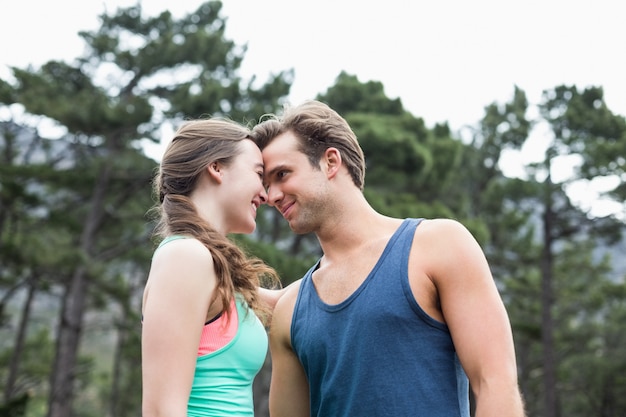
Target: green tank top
222, 384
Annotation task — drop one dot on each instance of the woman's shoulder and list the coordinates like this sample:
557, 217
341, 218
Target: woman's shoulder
182, 274
179, 245
186, 256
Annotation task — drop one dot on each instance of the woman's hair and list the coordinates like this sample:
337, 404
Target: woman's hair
197, 144
317, 127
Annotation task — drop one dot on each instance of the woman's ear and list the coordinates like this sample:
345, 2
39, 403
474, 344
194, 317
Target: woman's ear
215, 171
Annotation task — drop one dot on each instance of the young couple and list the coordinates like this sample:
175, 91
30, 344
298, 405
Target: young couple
399, 317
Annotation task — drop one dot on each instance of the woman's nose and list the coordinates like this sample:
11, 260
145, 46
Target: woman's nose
263, 196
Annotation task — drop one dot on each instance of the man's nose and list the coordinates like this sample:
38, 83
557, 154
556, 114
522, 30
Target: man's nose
274, 195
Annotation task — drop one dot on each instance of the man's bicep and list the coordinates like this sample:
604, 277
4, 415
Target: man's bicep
289, 390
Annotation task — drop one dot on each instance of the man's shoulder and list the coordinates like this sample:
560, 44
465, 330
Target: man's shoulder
280, 328
440, 226
441, 236
286, 303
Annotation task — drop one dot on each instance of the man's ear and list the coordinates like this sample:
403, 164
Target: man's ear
332, 160
215, 171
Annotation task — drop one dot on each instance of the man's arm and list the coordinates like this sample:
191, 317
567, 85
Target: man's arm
289, 389
271, 296
477, 319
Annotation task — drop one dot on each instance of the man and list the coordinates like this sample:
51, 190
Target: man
398, 315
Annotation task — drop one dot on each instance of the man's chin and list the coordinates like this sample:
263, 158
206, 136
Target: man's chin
299, 229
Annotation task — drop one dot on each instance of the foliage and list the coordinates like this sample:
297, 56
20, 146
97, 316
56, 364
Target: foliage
87, 192
543, 247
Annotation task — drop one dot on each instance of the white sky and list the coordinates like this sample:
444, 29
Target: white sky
446, 60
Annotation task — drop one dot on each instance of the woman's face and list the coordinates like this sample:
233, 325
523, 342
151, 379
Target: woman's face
244, 190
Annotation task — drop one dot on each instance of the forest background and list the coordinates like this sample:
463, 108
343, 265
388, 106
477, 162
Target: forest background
75, 240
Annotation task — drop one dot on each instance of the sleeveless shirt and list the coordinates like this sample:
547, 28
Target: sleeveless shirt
377, 353
222, 383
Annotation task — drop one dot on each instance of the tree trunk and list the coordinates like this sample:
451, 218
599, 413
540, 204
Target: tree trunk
73, 310
547, 301
277, 224
19, 342
117, 371
70, 328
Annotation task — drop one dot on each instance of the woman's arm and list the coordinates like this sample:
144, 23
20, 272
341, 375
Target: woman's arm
176, 302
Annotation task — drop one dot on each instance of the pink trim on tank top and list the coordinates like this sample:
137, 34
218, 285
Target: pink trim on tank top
218, 333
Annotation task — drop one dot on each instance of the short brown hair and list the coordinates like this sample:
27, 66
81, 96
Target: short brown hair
318, 127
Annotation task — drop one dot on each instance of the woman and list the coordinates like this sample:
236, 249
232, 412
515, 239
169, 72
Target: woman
202, 340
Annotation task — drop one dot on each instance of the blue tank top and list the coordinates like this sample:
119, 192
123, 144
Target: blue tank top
378, 353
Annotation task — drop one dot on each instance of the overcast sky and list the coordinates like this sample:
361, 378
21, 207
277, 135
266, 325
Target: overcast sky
446, 60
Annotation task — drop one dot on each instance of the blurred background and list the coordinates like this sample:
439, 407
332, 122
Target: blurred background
507, 116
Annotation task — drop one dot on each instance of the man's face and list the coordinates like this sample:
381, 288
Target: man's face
294, 187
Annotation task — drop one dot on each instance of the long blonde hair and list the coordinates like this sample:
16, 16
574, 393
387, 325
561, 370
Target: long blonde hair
195, 145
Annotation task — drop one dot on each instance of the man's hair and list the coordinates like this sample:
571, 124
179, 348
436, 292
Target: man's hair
317, 127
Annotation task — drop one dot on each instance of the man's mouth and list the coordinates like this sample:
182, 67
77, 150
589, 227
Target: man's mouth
285, 209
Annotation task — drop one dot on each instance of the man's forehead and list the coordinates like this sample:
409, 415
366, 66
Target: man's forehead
286, 140
284, 159
284, 146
